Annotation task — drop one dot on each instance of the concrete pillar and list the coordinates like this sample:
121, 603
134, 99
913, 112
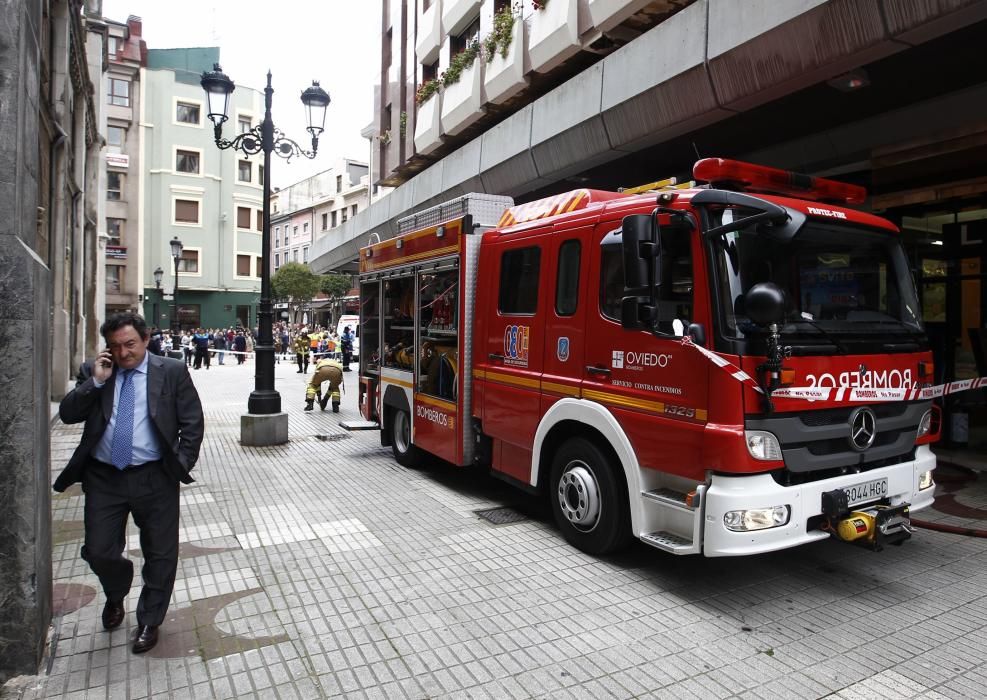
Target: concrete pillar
25, 305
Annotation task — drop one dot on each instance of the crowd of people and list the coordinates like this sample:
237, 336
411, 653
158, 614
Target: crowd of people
199, 347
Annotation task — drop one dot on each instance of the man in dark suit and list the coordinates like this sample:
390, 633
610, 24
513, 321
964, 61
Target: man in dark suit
142, 436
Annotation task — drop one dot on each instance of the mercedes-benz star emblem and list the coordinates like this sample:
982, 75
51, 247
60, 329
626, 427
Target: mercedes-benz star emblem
863, 428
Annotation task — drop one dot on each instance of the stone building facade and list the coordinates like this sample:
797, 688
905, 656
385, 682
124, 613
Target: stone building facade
51, 293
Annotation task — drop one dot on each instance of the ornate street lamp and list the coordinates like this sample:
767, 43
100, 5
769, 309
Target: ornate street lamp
176, 325
264, 138
158, 273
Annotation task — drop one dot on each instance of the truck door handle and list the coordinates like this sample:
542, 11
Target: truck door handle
595, 369
495, 356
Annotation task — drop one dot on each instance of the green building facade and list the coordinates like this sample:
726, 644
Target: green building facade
211, 200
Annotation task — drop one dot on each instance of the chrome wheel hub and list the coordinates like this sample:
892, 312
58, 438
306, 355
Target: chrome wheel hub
579, 496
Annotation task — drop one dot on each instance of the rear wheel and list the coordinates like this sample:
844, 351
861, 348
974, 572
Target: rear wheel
406, 454
589, 499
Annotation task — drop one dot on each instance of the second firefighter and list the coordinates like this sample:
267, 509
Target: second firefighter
326, 370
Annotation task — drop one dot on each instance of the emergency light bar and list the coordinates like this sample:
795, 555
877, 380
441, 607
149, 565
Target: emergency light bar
759, 178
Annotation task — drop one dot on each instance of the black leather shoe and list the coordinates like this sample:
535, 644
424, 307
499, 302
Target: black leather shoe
113, 615
147, 637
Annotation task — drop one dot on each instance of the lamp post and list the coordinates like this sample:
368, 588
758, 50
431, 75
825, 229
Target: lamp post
158, 274
176, 326
264, 138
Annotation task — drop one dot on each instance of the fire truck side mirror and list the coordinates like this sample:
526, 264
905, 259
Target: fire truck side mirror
765, 303
639, 240
637, 313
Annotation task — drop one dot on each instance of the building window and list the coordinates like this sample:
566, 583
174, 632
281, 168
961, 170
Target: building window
115, 135
305, 227
187, 162
258, 264
186, 211
325, 221
119, 92
333, 219
243, 217
113, 46
353, 210
519, 281
277, 236
294, 232
113, 279
294, 255
244, 124
277, 260
430, 71
189, 262
114, 186
339, 183
243, 265
260, 181
187, 113
260, 220
343, 216
305, 254
458, 44
114, 229
243, 171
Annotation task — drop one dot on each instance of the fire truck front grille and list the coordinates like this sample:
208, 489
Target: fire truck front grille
816, 441
839, 416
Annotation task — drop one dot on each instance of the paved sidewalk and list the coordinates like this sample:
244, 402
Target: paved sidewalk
321, 568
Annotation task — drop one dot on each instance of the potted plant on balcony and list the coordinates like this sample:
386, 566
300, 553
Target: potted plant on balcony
500, 38
426, 90
460, 62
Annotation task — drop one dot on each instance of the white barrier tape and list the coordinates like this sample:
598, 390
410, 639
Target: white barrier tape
735, 371
843, 393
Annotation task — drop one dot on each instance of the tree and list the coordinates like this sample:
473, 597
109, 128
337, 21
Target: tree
295, 284
335, 287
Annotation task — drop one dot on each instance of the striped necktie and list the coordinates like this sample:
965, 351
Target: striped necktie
122, 448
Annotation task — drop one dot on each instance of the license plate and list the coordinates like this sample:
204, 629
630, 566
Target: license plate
867, 491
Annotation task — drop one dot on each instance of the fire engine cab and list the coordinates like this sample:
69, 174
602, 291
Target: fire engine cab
725, 369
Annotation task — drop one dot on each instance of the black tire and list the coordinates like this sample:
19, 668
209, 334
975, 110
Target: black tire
405, 454
589, 498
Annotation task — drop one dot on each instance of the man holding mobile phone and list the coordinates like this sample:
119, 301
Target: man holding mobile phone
143, 431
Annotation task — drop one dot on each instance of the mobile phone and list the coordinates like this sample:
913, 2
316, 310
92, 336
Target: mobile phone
106, 362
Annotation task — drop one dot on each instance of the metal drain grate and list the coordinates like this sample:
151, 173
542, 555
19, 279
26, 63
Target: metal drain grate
332, 437
501, 516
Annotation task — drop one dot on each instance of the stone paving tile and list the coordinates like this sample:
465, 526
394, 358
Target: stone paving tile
321, 568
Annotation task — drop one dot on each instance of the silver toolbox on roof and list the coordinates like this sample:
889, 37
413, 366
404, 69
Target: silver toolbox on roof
486, 210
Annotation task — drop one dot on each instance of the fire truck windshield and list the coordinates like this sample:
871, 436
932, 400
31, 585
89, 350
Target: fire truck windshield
841, 282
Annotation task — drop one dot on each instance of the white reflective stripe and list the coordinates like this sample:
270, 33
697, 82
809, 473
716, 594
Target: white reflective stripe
841, 393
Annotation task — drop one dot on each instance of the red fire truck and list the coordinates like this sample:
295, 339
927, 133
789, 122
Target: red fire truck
724, 369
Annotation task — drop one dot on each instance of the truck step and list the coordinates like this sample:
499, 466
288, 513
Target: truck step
668, 497
667, 542
359, 425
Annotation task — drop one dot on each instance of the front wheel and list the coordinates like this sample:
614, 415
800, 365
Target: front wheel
589, 499
406, 454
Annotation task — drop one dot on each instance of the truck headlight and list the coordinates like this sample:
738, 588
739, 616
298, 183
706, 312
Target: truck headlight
756, 518
925, 481
925, 425
762, 445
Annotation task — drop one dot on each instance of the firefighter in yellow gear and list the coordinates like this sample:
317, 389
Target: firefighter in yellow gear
300, 346
326, 370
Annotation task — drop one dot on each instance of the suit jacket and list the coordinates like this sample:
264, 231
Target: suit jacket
173, 407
